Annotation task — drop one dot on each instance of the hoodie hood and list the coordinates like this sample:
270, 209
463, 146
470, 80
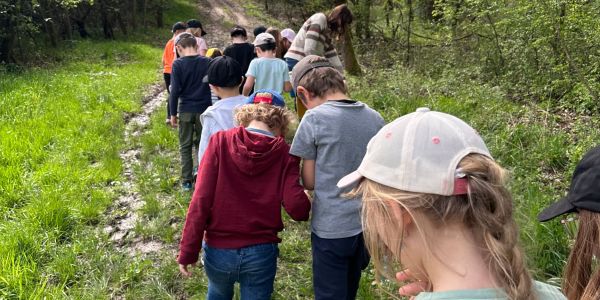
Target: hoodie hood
254, 153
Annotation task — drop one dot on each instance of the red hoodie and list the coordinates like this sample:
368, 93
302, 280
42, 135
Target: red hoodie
244, 180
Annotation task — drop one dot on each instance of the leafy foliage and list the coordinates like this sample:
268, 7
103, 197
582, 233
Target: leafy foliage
29, 23
533, 50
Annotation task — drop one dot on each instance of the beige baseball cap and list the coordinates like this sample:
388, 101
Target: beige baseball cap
419, 152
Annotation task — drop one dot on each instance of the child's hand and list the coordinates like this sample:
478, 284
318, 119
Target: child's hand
174, 121
183, 269
411, 287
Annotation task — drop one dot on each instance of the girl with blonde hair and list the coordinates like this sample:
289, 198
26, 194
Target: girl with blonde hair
195, 28
436, 203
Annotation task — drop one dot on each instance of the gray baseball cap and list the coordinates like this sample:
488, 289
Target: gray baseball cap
264, 38
420, 152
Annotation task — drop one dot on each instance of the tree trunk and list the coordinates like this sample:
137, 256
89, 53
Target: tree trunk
388, 7
133, 15
67, 26
107, 28
411, 16
144, 10
350, 61
159, 14
6, 47
367, 18
51, 31
121, 23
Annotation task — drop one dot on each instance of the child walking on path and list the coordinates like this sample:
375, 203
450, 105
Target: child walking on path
581, 278
247, 176
267, 71
168, 58
195, 28
190, 97
331, 140
435, 202
224, 77
240, 50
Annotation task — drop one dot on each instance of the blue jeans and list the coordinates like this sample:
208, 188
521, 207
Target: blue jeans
337, 266
291, 63
254, 267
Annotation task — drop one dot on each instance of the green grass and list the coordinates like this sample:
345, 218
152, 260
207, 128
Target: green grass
61, 130
539, 146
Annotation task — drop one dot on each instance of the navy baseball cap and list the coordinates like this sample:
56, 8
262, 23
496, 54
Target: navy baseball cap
266, 96
584, 192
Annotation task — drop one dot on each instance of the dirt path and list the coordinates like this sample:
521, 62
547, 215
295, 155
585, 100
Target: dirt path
222, 14
124, 214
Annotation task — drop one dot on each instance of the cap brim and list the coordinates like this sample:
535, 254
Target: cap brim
349, 179
561, 207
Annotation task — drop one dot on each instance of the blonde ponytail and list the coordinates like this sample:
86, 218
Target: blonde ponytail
487, 210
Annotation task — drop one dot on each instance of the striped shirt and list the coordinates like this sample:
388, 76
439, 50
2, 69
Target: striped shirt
314, 38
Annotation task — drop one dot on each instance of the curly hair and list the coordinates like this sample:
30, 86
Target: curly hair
277, 118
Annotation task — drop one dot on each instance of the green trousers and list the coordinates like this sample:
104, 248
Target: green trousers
190, 129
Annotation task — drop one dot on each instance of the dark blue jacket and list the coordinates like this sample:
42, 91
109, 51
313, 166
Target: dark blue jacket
188, 93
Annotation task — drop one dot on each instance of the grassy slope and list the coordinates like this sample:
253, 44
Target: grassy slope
539, 147
60, 133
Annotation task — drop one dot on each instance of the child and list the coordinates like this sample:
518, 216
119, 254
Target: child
190, 96
435, 202
224, 77
258, 30
247, 176
278, 41
581, 278
331, 140
195, 28
213, 53
267, 71
168, 58
287, 38
240, 50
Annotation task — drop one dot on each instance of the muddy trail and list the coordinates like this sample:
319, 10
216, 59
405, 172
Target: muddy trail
125, 213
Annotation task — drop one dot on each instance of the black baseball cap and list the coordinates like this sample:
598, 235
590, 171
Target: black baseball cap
179, 26
224, 71
193, 23
584, 192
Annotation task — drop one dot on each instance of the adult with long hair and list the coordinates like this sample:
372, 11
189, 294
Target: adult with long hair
316, 38
436, 203
278, 41
581, 278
